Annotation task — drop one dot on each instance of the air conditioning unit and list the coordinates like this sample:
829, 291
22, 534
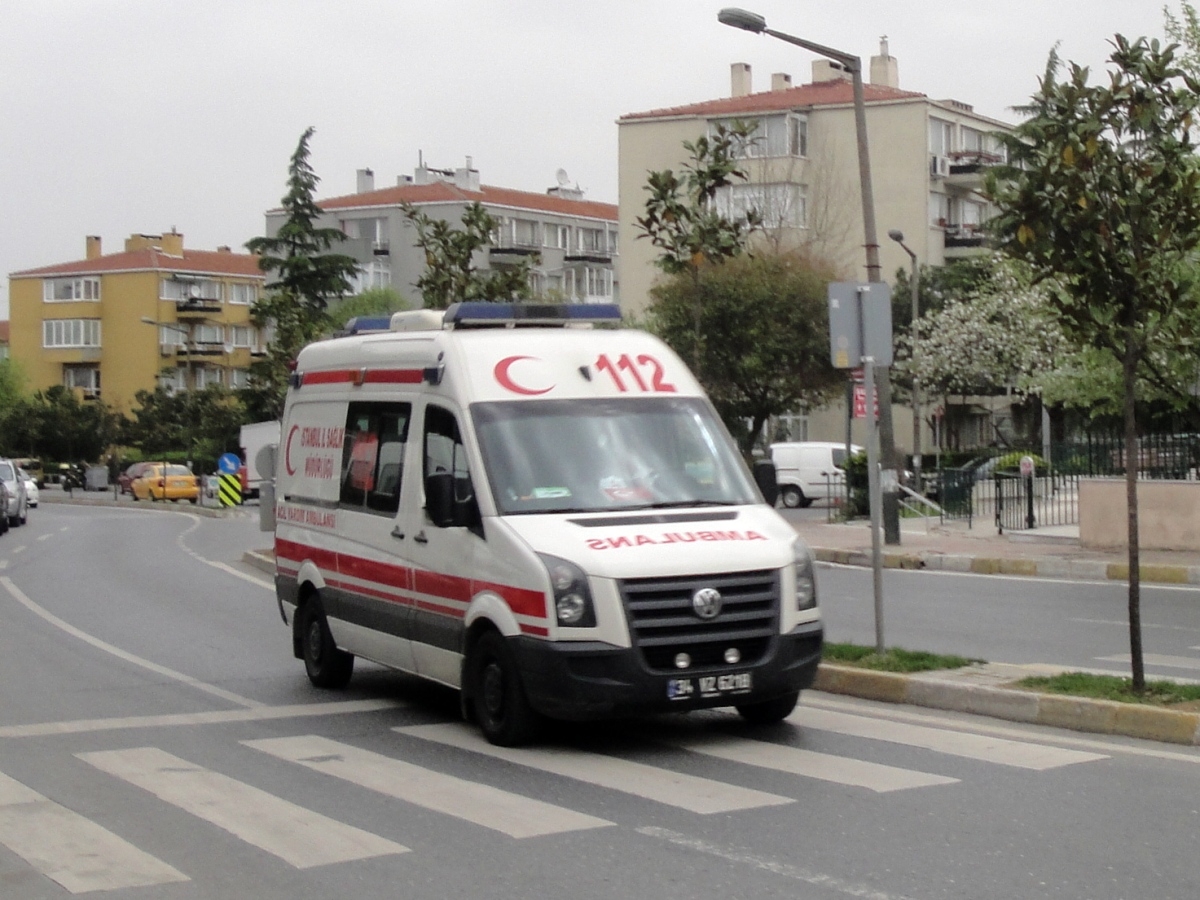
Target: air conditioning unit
939, 166
166, 349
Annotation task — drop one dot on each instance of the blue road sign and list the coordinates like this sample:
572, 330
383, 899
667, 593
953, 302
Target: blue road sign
229, 463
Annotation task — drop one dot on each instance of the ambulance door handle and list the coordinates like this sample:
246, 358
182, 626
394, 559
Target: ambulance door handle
420, 538
397, 533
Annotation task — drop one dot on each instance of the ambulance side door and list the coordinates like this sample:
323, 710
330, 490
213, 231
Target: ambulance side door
443, 558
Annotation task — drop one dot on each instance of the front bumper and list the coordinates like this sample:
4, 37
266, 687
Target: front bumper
567, 680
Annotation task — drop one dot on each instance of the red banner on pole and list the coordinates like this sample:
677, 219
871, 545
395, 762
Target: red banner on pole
860, 402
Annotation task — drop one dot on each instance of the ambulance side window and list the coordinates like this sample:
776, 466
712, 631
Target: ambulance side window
373, 456
444, 452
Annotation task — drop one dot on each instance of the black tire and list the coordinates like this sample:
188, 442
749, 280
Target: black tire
769, 712
326, 665
806, 502
501, 709
792, 496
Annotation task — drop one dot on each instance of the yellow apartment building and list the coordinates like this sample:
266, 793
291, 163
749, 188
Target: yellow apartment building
155, 313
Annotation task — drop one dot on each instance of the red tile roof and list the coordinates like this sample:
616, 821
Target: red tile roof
200, 262
825, 93
445, 192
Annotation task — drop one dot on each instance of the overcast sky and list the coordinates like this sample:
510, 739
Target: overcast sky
123, 116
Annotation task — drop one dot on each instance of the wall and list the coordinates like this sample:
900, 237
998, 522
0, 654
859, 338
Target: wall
1168, 514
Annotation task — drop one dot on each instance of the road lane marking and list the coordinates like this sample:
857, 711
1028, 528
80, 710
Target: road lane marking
3, 563
511, 814
810, 764
224, 567
212, 717
1020, 754
43, 537
1156, 659
63, 528
128, 657
698, 795
296, 835
1149, 626
20, 549
71, 850
786, 870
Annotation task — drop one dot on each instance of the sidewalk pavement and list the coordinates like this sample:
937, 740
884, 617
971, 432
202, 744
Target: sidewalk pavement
1052, 552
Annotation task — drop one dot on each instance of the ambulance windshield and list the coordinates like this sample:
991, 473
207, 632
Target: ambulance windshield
602, 455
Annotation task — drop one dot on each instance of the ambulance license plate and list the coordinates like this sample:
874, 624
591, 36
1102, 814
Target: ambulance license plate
708, 686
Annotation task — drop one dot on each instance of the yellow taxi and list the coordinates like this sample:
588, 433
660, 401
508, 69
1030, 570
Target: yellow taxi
166, 482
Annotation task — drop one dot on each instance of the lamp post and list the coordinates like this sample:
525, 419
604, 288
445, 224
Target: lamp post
753, 22
188, 377
898, 236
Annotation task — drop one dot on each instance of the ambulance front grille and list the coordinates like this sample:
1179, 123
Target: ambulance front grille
663, 622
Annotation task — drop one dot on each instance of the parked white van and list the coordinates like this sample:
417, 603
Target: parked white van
551, 519
810, 470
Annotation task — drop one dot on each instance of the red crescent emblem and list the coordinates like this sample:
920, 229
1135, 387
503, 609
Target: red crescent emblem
505, 379
287, 451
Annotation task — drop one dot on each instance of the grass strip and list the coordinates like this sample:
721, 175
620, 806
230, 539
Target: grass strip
1112, 687
893, 659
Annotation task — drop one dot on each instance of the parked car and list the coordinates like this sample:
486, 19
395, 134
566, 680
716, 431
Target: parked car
17, 507
34, 468
31, 488
166, 482
3, 506
809, 470
132, 471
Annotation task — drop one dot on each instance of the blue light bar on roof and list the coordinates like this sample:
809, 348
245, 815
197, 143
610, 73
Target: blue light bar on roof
503, 314
366, 325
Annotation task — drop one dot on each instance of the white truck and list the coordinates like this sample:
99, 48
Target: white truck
552, 520
253, 438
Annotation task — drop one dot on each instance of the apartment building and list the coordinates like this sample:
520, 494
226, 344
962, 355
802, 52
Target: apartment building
574, 240
154, 313
928, 159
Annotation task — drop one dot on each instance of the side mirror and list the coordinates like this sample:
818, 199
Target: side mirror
439, 499
765, 478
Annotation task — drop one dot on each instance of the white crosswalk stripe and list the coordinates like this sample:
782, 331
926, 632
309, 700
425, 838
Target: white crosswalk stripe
1038, 757
699, 795
502, 811
70, 849
296, 835
810, 764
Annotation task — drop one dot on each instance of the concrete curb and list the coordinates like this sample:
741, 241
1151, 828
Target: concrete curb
210, 512
939, 691
263, 560
1042, 566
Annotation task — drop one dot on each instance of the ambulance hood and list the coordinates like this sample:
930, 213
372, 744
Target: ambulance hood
648, 543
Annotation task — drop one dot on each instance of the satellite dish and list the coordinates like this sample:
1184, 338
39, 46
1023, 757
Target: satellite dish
562, 178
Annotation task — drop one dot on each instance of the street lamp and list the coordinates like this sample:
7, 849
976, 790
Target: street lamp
188, 377
753, 22
898, 236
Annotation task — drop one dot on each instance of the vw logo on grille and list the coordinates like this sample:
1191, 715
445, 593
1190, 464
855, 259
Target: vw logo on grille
706, 603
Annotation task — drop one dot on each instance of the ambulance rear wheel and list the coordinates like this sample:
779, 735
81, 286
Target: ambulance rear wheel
768, 712
326, 665
503, 712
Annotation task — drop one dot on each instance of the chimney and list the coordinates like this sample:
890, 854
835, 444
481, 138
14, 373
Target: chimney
885, 70
142, 242
781, 81
366, 181
739, 76
224, 248
172, 243
824, 70
467, 178
92, 241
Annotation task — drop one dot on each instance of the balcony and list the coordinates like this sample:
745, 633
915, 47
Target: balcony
198, 306
965, 169
602, 255
964, 240
506, 247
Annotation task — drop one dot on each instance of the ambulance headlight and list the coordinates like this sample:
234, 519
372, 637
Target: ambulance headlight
572, 598
806, 577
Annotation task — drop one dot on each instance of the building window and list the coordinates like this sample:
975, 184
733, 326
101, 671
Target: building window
239, 378
773, 136
941, 137
564, 237
85, 378
172, 336
209, 375
243, 336
526, 233
593, 240
173, 380
71, 333
183, 289
65, 290
939, 210
375, 274
243, 294
208, 334
781, 205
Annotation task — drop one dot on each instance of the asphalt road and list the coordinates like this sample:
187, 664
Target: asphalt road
157, 740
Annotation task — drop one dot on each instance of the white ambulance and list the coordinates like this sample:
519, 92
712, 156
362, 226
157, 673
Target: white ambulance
548, 516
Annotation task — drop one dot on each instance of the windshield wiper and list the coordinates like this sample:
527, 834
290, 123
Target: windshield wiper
677, 504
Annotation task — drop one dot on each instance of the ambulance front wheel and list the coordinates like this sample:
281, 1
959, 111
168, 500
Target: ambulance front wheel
501, 708
768, 712
326, 665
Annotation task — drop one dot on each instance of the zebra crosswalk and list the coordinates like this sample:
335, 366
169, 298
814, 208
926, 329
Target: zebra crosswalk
82, 855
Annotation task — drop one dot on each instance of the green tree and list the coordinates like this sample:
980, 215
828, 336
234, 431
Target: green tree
772, 353
372, 302
1103, 191
450, 273
682, 217
303, 276
68, 429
